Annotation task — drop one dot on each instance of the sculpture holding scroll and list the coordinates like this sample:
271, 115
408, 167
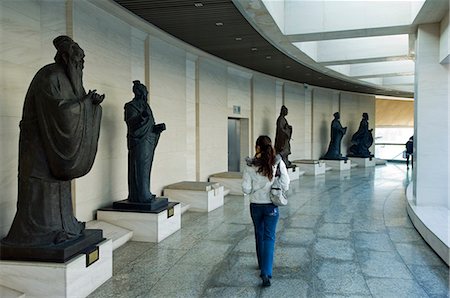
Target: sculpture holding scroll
283, 137
362, 139
59, 133
337, 132
142, 138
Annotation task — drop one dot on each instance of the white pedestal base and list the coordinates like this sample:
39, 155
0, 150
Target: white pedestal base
294, 173
201, 196
71, 279
230, 180
363, 162
339, 165
146, 227
311, 167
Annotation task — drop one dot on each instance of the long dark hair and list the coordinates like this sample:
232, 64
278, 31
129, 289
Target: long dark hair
266, 160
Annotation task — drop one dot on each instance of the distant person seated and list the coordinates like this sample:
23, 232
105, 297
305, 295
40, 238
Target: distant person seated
362, 139
409, 151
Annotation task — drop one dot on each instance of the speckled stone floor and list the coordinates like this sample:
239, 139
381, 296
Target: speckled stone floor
342, 235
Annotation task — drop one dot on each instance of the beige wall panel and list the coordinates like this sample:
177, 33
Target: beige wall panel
264, 108
168, 102
107, 43
27, 29
353, 105
323, 109
239, 92
294, 100
213, 115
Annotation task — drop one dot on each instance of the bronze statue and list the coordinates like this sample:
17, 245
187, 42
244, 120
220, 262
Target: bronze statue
337, 132
283, 137
59, 132
362, 139
142, 139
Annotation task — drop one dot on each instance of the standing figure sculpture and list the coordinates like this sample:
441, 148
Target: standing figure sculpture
142, 139
362, 139
283, 137
337, 132
58, 140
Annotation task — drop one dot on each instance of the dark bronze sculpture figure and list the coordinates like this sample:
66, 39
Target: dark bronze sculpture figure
337, 132
283, 137
142, 139
362, 139
59, 132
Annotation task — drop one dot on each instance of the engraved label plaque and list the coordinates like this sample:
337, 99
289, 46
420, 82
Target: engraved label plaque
170, 212
92, 255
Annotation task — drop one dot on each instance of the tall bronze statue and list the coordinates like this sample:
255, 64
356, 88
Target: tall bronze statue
337, 132
58, 139
362, 139
283, 136
142, 139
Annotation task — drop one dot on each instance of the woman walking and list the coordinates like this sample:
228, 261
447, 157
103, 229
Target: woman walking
260, 173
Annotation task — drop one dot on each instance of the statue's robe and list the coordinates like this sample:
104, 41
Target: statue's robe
362, 140
59, 132
334, 148
141, 142
283, 137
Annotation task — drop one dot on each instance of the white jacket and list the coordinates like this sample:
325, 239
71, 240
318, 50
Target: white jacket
257, 186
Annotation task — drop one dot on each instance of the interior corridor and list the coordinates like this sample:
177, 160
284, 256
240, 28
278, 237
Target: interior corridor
343, 234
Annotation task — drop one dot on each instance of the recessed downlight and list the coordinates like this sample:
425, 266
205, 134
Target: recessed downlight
198, 4
238, 38
219, 24
254, 49
268, 57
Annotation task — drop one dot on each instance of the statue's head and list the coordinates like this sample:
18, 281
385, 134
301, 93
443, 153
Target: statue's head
68, 51
337, 115
140, 90
71, 57
284, 110
365, 116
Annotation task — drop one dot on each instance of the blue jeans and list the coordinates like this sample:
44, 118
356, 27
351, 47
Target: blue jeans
265, 219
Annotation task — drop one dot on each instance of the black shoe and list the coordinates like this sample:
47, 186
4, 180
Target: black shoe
265, 281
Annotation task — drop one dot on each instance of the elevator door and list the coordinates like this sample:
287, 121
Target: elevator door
234, 144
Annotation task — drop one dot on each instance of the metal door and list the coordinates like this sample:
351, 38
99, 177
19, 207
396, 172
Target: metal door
234, 144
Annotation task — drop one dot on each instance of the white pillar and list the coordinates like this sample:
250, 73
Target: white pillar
431, 132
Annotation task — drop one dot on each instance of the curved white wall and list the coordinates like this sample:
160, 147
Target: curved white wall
191, 91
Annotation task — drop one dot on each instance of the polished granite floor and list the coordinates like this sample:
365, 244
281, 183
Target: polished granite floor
342, 235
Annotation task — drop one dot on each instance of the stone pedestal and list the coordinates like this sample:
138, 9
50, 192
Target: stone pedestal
70, 279
201, 196
311, 167
338, 165
363, 162
147, 226
294, 173
230, 180
118, 235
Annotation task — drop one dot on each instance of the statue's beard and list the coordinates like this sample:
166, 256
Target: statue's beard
75, 74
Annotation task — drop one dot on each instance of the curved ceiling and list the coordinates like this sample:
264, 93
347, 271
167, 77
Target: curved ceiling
218, 27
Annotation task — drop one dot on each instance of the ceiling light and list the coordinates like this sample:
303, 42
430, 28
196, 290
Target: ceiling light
238, 38
254, 49
268, 57
307, 74
198, 4
219, 24
288, 66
